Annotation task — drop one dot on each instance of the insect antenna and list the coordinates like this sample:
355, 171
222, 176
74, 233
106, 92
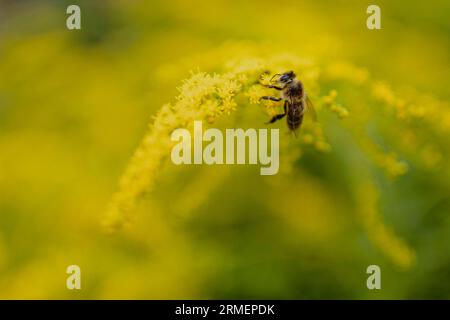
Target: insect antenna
271, 79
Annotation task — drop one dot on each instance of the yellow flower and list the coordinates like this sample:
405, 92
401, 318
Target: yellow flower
329, 101
382, 236
201, 97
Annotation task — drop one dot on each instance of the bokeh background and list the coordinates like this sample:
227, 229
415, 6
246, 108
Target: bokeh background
75, 104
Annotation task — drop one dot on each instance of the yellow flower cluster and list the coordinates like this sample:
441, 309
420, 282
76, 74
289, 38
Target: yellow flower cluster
384, 93
383, 237
329, 101
389, 161
313, 135
419, 107
201, 97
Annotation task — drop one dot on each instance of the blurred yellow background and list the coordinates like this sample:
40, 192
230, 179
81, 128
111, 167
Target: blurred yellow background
75, 104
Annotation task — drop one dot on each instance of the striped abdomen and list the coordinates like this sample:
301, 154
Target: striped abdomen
295, 115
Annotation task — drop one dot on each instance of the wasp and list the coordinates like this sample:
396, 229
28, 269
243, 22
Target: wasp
296, 102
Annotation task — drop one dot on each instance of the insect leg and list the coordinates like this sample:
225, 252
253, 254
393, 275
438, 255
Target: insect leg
270, 98
278, 116
273, 87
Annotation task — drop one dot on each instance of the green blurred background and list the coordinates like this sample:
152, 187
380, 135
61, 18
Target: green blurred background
75, 104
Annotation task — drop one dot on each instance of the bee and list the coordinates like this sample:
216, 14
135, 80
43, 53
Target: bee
296, 102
